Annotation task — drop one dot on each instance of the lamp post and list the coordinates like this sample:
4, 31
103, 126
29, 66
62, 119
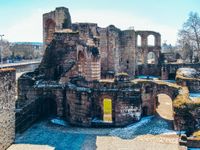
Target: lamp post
1, 35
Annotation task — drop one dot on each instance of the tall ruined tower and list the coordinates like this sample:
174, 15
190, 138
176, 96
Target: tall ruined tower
55, 21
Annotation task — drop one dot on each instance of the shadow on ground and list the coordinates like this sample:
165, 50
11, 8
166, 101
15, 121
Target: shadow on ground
152, 130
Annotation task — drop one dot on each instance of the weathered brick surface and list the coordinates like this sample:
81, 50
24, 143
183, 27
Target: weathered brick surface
7, 107
55, 21
193, 84
89, 52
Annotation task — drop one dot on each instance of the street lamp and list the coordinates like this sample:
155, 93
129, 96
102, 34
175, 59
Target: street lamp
1, 35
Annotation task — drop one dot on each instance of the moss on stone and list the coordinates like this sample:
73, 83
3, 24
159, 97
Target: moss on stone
196, 134
186, 78
122, 74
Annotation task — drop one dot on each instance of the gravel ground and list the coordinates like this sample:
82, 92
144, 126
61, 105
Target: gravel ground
151, 133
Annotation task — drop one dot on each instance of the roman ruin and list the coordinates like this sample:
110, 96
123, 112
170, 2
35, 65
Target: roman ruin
88, 78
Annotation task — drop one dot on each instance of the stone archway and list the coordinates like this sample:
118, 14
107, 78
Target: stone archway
48, 107
145, 111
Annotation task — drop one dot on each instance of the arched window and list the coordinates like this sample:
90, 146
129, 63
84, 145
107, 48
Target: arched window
151, 40
50, 29
151, 58
139, 40
139, 58
81, 63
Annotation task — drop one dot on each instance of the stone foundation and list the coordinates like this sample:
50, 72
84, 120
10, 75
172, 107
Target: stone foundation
192, 83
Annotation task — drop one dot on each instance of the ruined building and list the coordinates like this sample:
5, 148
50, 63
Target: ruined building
119, 50
85, 75
85, 78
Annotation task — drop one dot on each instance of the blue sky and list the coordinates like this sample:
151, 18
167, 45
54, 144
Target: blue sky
21, 20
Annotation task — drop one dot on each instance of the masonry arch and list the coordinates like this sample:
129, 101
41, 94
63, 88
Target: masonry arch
50, 29
151, 91
81, 63
164, 106
48, 106
151, 40
151, 58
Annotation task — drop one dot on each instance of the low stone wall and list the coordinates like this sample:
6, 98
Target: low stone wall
193, 143
26, 115
193, 84
85, 105
7, 107
35, 102
149, 69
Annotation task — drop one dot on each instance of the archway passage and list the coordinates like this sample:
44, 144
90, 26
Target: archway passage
107, 110
164, 107
144, 111
49, 108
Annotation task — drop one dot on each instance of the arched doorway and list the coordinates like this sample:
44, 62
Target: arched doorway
151, 58
144, 111
164, 107
107, 110
48, 107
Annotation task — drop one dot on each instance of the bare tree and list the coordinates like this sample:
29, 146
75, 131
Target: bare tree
189, 35
6, 49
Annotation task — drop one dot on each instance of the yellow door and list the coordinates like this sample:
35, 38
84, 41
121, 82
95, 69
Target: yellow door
107, 108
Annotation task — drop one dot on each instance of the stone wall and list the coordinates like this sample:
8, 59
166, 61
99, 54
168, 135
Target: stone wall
55, 21
145, 47
118, 49
37, 100
148, 69
193, 84
168, 71
193, 143
149, 92
67, 56
7, 107
26, 105
78, 104
84, 103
